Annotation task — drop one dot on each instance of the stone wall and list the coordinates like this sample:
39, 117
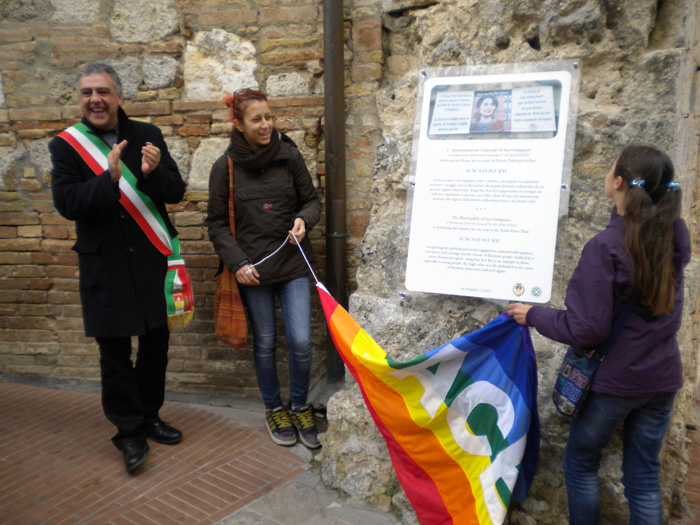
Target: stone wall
639, 81
177, 57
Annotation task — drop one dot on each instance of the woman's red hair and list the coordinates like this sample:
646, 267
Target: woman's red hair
237, 100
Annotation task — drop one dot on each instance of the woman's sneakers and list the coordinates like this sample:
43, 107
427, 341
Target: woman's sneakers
303, 419
279, 425
282, 421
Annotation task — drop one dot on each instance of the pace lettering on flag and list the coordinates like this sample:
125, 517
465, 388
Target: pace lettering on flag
460, 421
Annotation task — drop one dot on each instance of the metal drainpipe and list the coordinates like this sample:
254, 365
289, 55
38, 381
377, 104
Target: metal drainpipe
334, 111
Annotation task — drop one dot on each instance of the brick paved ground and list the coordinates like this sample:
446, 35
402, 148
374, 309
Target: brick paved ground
57, 464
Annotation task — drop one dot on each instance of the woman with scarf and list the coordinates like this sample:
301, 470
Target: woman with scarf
274, 200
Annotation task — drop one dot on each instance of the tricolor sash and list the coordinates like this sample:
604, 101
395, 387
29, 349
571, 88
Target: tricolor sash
178, 287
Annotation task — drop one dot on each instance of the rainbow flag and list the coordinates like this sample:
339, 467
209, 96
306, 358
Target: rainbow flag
460, 421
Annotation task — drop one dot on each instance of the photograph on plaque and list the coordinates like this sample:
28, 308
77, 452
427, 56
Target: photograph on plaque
528, 110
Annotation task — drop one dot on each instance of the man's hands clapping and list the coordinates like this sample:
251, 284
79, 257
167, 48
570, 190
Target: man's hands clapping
114, 162
150, 158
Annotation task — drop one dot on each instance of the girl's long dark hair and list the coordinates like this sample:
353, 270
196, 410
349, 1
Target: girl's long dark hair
650, 214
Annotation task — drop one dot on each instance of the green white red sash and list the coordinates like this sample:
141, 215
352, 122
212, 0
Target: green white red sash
178, 287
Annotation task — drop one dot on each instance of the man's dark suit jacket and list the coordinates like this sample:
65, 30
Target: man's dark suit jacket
122, 274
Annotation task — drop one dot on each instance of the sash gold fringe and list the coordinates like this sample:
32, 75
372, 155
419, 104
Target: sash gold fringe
178, 321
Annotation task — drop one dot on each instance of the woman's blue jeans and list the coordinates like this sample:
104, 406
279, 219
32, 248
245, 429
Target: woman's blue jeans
644, 421
295, 301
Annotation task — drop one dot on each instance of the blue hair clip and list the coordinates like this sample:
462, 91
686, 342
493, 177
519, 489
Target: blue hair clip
637, 183
673, 186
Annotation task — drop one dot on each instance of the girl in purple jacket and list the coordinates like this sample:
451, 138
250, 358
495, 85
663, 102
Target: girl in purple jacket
640, 256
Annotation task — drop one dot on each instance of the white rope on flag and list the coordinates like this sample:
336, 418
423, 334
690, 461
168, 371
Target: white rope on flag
305, 259
286, 240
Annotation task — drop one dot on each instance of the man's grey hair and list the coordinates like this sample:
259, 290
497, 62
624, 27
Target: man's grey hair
97, 68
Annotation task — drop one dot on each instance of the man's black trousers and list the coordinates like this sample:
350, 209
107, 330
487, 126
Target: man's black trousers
133, 393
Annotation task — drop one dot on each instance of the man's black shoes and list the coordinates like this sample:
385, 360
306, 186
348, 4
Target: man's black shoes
135, 450
160, 432
135, 453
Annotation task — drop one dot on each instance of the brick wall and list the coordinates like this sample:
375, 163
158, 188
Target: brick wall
41, 334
